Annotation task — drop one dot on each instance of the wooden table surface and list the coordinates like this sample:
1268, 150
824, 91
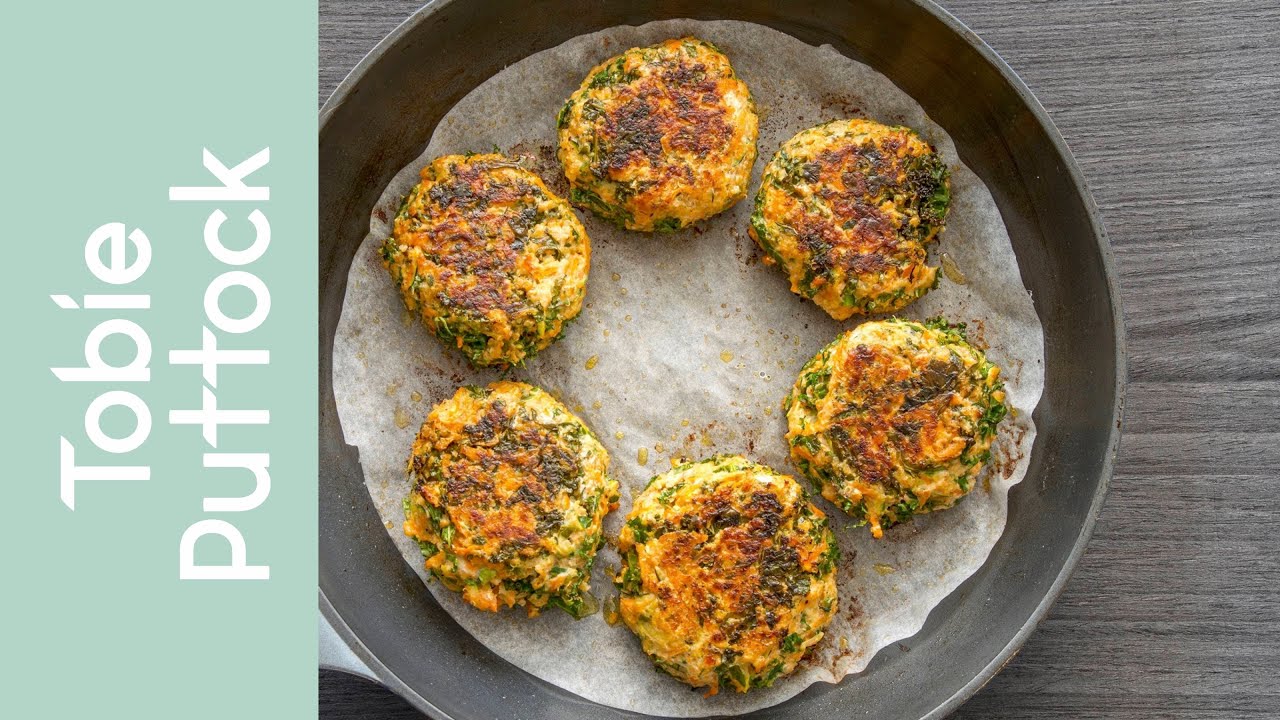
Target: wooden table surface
1171, 108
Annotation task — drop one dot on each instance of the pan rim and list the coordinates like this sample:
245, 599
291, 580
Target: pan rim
393, 682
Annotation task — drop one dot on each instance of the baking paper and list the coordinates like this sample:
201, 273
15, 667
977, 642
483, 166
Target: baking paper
685, 348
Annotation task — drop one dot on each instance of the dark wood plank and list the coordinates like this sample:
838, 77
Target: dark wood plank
346, 697
1171, 108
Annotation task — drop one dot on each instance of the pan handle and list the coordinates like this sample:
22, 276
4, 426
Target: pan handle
335, 653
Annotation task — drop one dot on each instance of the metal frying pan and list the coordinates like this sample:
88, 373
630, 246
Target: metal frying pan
378, 621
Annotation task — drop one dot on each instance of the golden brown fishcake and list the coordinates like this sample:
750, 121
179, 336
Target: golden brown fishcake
895, 418
493, 262
848, 209
659, 137
728, 573
510, 493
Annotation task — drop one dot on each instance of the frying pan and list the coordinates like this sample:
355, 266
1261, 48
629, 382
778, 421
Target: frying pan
378, 620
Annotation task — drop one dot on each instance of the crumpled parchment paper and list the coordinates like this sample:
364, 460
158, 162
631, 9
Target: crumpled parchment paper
685, 347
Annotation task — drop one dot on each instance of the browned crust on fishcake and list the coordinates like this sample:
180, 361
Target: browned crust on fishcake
895, 418
510, 493
659, 137
728, 573
848, 209
490, 258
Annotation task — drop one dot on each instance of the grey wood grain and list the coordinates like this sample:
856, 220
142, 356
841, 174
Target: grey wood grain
1173, 111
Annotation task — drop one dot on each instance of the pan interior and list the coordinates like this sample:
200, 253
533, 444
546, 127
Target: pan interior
373, 127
